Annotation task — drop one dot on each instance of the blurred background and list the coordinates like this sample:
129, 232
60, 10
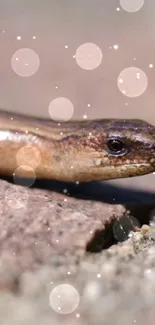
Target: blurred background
79, 60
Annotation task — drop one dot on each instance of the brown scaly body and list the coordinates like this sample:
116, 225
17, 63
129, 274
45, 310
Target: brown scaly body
78, 151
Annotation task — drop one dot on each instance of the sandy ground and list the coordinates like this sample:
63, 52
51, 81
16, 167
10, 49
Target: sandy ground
57, 264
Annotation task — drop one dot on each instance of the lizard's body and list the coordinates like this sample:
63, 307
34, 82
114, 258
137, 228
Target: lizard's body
77, 151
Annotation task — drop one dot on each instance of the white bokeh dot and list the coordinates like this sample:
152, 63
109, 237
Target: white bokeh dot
132, 82
88, 56
64, 299
131, 5
25, 62
61, 109
115, 46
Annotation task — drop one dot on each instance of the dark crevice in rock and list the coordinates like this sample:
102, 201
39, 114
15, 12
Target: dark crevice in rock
105, 238
102, 239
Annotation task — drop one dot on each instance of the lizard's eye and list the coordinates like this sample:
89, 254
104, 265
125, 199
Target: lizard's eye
116, 146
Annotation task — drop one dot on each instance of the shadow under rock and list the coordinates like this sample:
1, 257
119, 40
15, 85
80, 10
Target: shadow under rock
140, 203
98, 191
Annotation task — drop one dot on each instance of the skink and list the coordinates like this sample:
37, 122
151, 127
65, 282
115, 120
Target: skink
76, 151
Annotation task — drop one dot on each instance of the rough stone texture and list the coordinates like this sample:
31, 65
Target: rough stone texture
37, 225
44, 240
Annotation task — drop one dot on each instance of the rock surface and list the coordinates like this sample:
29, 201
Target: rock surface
50, 273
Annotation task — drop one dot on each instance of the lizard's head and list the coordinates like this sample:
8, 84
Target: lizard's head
109, 149
126, 148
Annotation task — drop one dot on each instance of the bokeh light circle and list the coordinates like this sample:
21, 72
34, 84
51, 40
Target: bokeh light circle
88, 56
61, 109
131, 5
132, 82
122, 227
24, 176
16, 199
25, 62
64, 299
29, 156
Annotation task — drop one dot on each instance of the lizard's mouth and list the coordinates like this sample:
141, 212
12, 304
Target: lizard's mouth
125, 170
101, 173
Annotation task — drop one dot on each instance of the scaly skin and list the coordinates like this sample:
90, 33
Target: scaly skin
77, 151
